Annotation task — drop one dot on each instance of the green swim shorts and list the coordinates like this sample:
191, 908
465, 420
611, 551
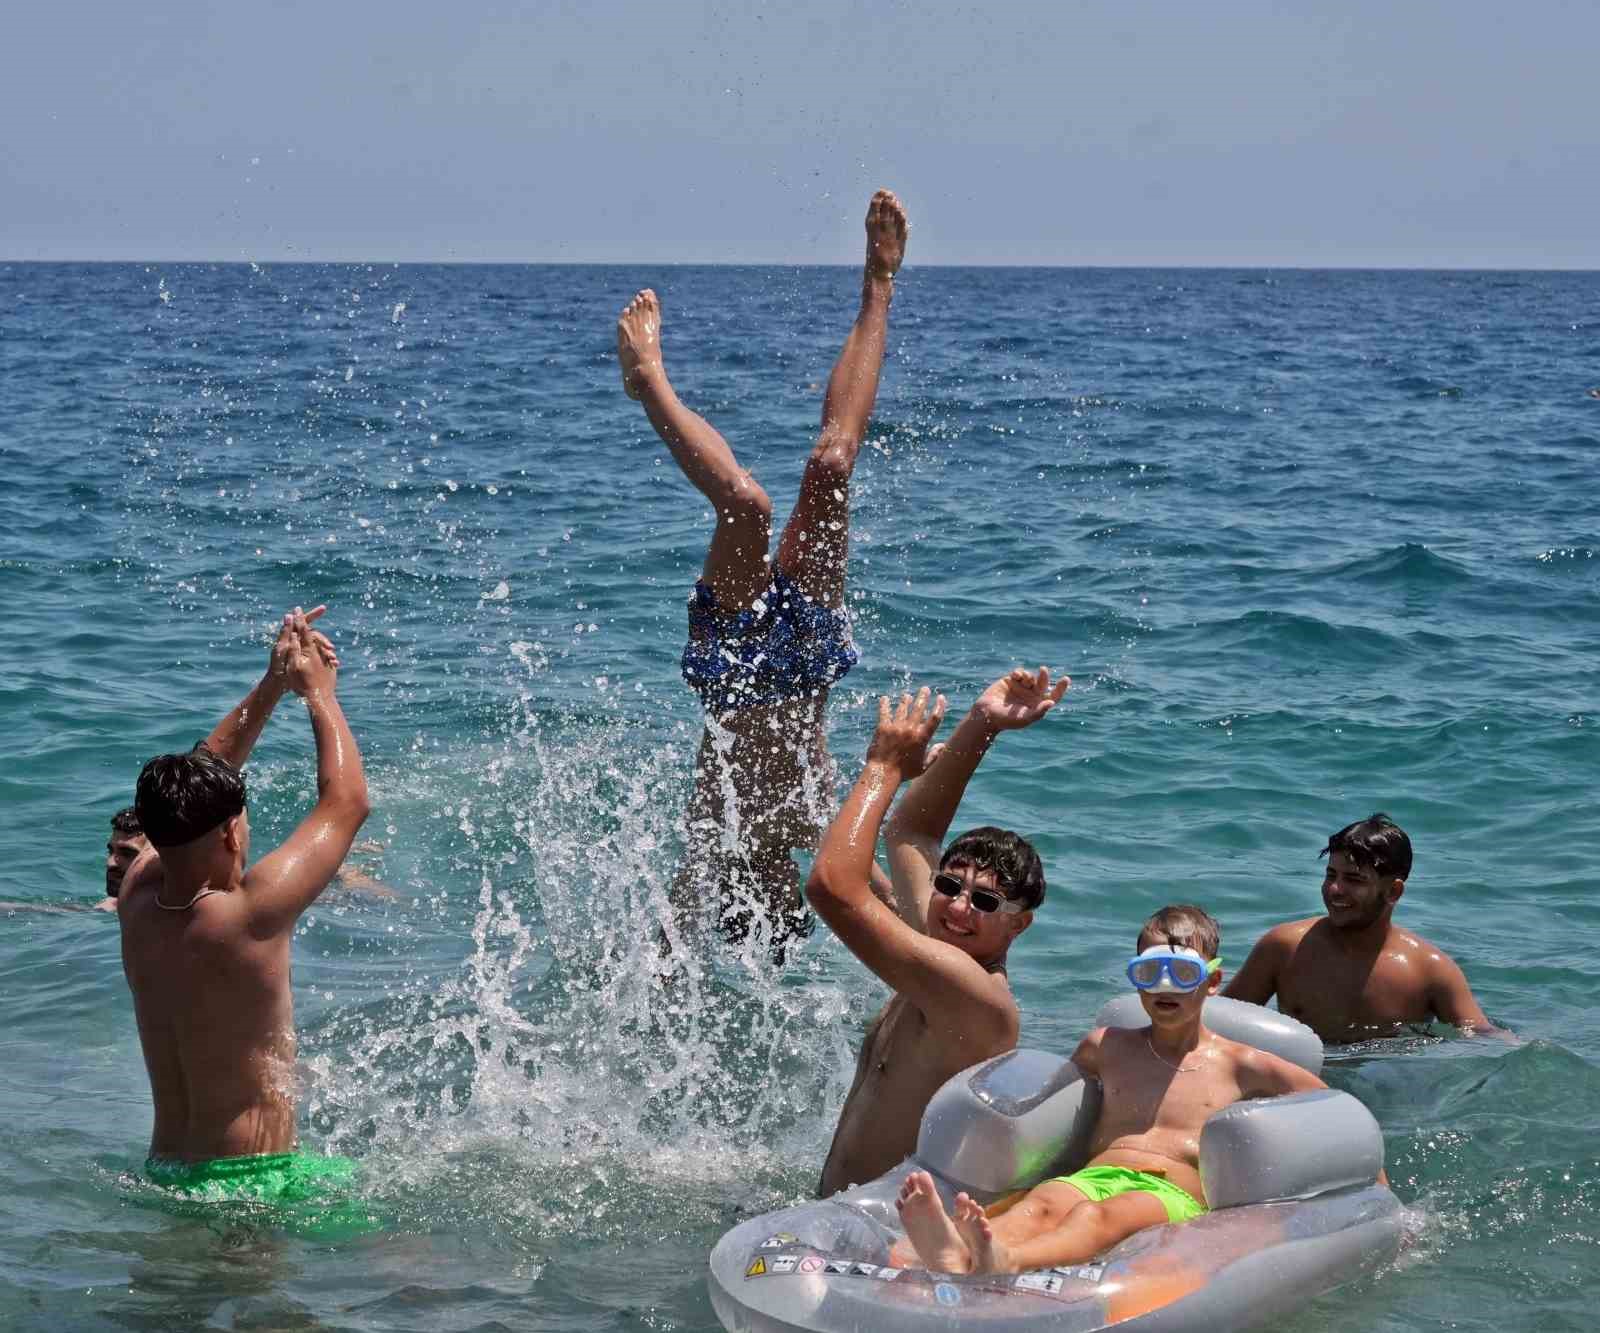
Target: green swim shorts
285, 1177
1106, 1182
308, 1193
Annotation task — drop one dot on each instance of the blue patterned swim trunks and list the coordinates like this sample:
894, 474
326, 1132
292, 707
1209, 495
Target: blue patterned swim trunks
784, 646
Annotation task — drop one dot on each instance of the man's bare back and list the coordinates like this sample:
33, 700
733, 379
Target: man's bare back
205, 943
216, 1021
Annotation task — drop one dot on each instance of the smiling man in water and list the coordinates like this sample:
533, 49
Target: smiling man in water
205, 946
1353, 974
942, 948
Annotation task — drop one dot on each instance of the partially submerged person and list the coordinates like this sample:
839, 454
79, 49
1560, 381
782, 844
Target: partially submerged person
1352, 974
205, 941
125, 845
942, 948
1160, 1085
768, 634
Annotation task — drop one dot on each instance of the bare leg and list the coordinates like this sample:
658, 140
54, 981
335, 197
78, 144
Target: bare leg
816, 540
736, 561
1061, 1228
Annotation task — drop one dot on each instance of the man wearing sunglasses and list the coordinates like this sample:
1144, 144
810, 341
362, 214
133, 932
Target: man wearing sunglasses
942, 947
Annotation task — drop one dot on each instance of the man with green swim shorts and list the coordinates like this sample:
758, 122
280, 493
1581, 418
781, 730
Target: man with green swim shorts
1161, 1083
205, 944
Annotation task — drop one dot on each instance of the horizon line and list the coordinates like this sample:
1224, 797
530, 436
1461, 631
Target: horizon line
771, 264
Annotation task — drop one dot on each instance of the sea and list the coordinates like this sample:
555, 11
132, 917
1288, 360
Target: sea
1310, 544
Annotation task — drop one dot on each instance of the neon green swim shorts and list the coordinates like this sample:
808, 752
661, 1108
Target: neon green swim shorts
307, 1193
286, 1177
1106, 1182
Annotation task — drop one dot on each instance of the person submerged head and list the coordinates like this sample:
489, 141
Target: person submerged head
193, 806
125, 845
1178, 963
1368, 863
989, 883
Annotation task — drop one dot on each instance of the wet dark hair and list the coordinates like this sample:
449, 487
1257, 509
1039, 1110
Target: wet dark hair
126, 822
1375, 843
1011, 857
181, 796
1183, 926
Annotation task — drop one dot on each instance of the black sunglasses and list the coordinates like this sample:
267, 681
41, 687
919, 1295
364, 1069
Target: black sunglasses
982, 900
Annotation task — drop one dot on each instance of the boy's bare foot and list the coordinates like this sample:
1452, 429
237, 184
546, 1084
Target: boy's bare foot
928, 1227
886, 235
977, 1234
639, 341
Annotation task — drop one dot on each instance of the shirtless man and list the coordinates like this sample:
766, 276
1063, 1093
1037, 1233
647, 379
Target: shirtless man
942, 949
1161, 1083
1352, 974
768, 635
205, 942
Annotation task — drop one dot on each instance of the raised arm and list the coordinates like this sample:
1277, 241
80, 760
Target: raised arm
236, 735
916, 831
285, 882
952, 990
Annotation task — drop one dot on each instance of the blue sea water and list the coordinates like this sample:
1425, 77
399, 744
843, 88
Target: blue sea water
1310, 544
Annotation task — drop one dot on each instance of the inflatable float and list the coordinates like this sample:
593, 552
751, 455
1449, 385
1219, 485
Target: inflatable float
1290, 1180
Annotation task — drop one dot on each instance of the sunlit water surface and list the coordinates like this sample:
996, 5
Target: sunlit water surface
1310, 545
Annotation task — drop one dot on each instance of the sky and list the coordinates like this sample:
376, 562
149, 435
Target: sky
1409, 133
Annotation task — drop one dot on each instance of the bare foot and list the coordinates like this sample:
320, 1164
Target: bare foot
977, 1234
886, 235
928, 1227
639, 341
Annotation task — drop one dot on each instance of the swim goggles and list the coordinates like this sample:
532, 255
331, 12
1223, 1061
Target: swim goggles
982, 900
1163, 967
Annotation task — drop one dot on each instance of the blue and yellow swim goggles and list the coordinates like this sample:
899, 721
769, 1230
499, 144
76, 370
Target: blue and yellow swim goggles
1163, 967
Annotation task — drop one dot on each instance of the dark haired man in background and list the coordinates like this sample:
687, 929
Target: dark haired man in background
942, 948
1352, 974
125, 845
205, 942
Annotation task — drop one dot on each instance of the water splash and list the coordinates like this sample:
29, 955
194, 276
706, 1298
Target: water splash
563, 1080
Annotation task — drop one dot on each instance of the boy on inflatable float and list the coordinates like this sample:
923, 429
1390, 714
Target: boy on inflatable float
1161, 1084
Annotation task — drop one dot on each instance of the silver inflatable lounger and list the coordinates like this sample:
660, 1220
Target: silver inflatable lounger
1290, 1181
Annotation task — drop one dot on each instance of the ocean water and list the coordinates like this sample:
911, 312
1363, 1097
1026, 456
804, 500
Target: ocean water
1310, 544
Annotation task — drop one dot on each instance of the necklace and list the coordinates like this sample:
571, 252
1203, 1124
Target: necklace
184, 907
1179, 1068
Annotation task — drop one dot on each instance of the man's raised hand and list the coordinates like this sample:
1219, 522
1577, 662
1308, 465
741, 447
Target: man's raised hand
901, 740
288, 643
1020, 698
310, 664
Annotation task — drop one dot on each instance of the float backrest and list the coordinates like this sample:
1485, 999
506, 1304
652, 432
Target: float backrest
1288, 1148
1001, 1125
1253, 1024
